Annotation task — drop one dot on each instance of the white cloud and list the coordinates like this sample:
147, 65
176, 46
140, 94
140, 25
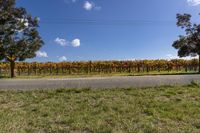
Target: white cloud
133, 59
60, 41
69, 1
63, 58
170, 57
41, 54
193, 2
24, 21
63, 42
38, 19
26, 24
88, 5
76, 42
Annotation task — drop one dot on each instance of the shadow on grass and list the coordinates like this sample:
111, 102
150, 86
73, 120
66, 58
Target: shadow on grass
111, 75
3, 77
157, 74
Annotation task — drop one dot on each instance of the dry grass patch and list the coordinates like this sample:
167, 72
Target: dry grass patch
149, 110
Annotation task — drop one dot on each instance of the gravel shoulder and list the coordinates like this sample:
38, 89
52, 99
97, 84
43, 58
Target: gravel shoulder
98, 82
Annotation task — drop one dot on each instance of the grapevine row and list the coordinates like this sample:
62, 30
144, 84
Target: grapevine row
100, 67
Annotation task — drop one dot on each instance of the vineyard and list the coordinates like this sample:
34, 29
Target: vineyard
100, 67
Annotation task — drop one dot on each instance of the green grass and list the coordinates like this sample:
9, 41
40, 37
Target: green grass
25, 76
149, 110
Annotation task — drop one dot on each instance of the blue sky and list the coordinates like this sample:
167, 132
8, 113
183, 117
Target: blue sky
108, 29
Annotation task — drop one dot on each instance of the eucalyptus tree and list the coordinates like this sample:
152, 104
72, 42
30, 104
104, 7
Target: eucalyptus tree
188, 44
19, 38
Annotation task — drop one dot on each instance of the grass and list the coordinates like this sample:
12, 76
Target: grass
148, 110
100, 75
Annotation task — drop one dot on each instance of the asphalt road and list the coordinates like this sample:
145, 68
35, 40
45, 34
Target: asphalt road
99, 82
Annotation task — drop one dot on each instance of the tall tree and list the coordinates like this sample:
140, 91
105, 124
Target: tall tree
188, 44
19, 38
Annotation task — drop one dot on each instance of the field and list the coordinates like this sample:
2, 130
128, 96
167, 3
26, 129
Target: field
148, 110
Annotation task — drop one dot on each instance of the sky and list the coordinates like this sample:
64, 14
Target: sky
82, 30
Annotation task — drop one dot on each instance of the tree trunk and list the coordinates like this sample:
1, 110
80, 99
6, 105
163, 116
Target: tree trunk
12, 67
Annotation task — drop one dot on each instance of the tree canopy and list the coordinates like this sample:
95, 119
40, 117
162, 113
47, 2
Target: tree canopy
19, 38
188, 44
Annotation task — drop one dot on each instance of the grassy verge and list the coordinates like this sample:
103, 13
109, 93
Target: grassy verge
100, 75
149, 110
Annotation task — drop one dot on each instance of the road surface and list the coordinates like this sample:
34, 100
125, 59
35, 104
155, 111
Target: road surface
98, 82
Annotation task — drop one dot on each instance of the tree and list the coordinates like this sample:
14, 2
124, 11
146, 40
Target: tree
19, 38
188, 44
